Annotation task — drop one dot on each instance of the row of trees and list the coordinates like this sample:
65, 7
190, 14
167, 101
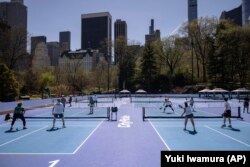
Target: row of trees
206, 51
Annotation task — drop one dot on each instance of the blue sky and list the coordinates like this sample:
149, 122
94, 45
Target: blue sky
49, 17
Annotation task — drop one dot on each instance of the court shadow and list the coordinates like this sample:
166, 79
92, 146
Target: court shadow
52, 129
11, 131
169, 113
233, 129
191, 132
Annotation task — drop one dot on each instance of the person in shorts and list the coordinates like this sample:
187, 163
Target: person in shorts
167, 103
18, 113
188, 111
58, 112
226, 114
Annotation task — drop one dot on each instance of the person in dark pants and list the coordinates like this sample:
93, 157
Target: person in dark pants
18, 113
91, 105
246, 104
70, 100
63, 101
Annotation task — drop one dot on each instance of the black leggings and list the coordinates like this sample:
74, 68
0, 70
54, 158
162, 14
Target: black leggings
18, 116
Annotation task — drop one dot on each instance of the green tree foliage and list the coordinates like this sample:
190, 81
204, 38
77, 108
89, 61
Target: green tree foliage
201, 34
230, 63
9, 87
148, 68
125, 61
30, 83
173, 50
46, 79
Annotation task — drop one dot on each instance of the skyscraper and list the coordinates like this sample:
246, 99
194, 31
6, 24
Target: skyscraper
35, 41
18, 1
96, 30
53, 52
245, 12
153, 35
120, 31
192, 10
14, 13
64, 41
234, 15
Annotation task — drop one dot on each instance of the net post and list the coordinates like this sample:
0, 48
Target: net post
143, 114
108, 113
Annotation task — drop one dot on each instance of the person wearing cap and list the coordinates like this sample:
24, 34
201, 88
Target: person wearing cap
18, 113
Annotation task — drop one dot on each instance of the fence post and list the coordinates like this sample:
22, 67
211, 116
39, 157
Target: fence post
143, 114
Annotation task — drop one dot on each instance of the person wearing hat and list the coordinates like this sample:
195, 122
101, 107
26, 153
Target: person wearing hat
18, 113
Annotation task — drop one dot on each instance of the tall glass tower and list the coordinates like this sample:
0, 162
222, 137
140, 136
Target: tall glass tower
192, 10
96, 29
245, 12
64, 40
120, 31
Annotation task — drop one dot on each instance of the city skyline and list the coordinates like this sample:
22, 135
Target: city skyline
48, 18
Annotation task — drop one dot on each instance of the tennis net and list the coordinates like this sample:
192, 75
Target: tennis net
160, 113
77, 113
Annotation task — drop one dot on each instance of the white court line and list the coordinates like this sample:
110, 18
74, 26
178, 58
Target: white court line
61, 152
23, 136
160, 136
87, 138
241, 142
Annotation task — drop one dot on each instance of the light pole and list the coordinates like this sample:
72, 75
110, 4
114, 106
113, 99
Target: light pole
108, 71
192, 59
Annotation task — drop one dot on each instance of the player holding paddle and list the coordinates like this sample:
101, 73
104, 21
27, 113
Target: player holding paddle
226, 114
167, 103
188, 115
18, 113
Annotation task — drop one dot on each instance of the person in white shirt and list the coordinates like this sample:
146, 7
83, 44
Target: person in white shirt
167, 103
227, 114
188, 111
58, 112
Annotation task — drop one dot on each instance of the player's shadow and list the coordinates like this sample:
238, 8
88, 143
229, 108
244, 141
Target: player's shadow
169, 113
191, 132
233, 129
53, 129
11, 131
